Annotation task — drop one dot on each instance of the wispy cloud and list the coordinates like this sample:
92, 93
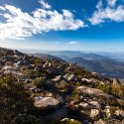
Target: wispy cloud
74, 42
44, 4
109, 13
19, 24
111, 3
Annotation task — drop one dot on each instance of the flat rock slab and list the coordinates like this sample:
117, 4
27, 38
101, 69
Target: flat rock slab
46, 102
92, 91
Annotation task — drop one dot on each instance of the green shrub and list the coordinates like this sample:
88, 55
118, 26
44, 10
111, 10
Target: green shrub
33, 74
37, 61
105, 87
75, 96
117, 90
39, 82
26, 119
13, 99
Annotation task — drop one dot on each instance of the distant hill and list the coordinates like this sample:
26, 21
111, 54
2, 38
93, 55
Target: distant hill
47, 57
104, 64
106, 67
116, 56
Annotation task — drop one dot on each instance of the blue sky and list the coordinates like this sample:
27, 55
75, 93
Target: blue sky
85, 25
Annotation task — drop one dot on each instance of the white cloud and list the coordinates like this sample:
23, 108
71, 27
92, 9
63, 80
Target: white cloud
99, 5
2, 8
44, 4
67, 13
109, 13
19, 25
111, 3
74, 42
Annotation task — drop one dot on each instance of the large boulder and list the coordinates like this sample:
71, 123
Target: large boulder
91, 91
46, 103
94, 92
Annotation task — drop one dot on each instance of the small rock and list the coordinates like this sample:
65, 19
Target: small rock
95, 104
57, 78
68, 120
28, 81
115, 82
69, 77
119, 113
84, 105
95, 74
108, 111
95, 114
85, 80
38, 98
100, 121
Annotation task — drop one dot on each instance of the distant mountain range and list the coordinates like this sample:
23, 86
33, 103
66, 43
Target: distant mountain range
116, 56
106, 64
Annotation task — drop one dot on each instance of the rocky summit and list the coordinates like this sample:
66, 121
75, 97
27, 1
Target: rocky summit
39, 90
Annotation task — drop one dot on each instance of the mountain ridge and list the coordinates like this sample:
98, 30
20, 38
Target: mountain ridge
55, 92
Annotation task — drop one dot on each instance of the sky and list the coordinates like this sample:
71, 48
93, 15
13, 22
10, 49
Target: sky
81, 25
